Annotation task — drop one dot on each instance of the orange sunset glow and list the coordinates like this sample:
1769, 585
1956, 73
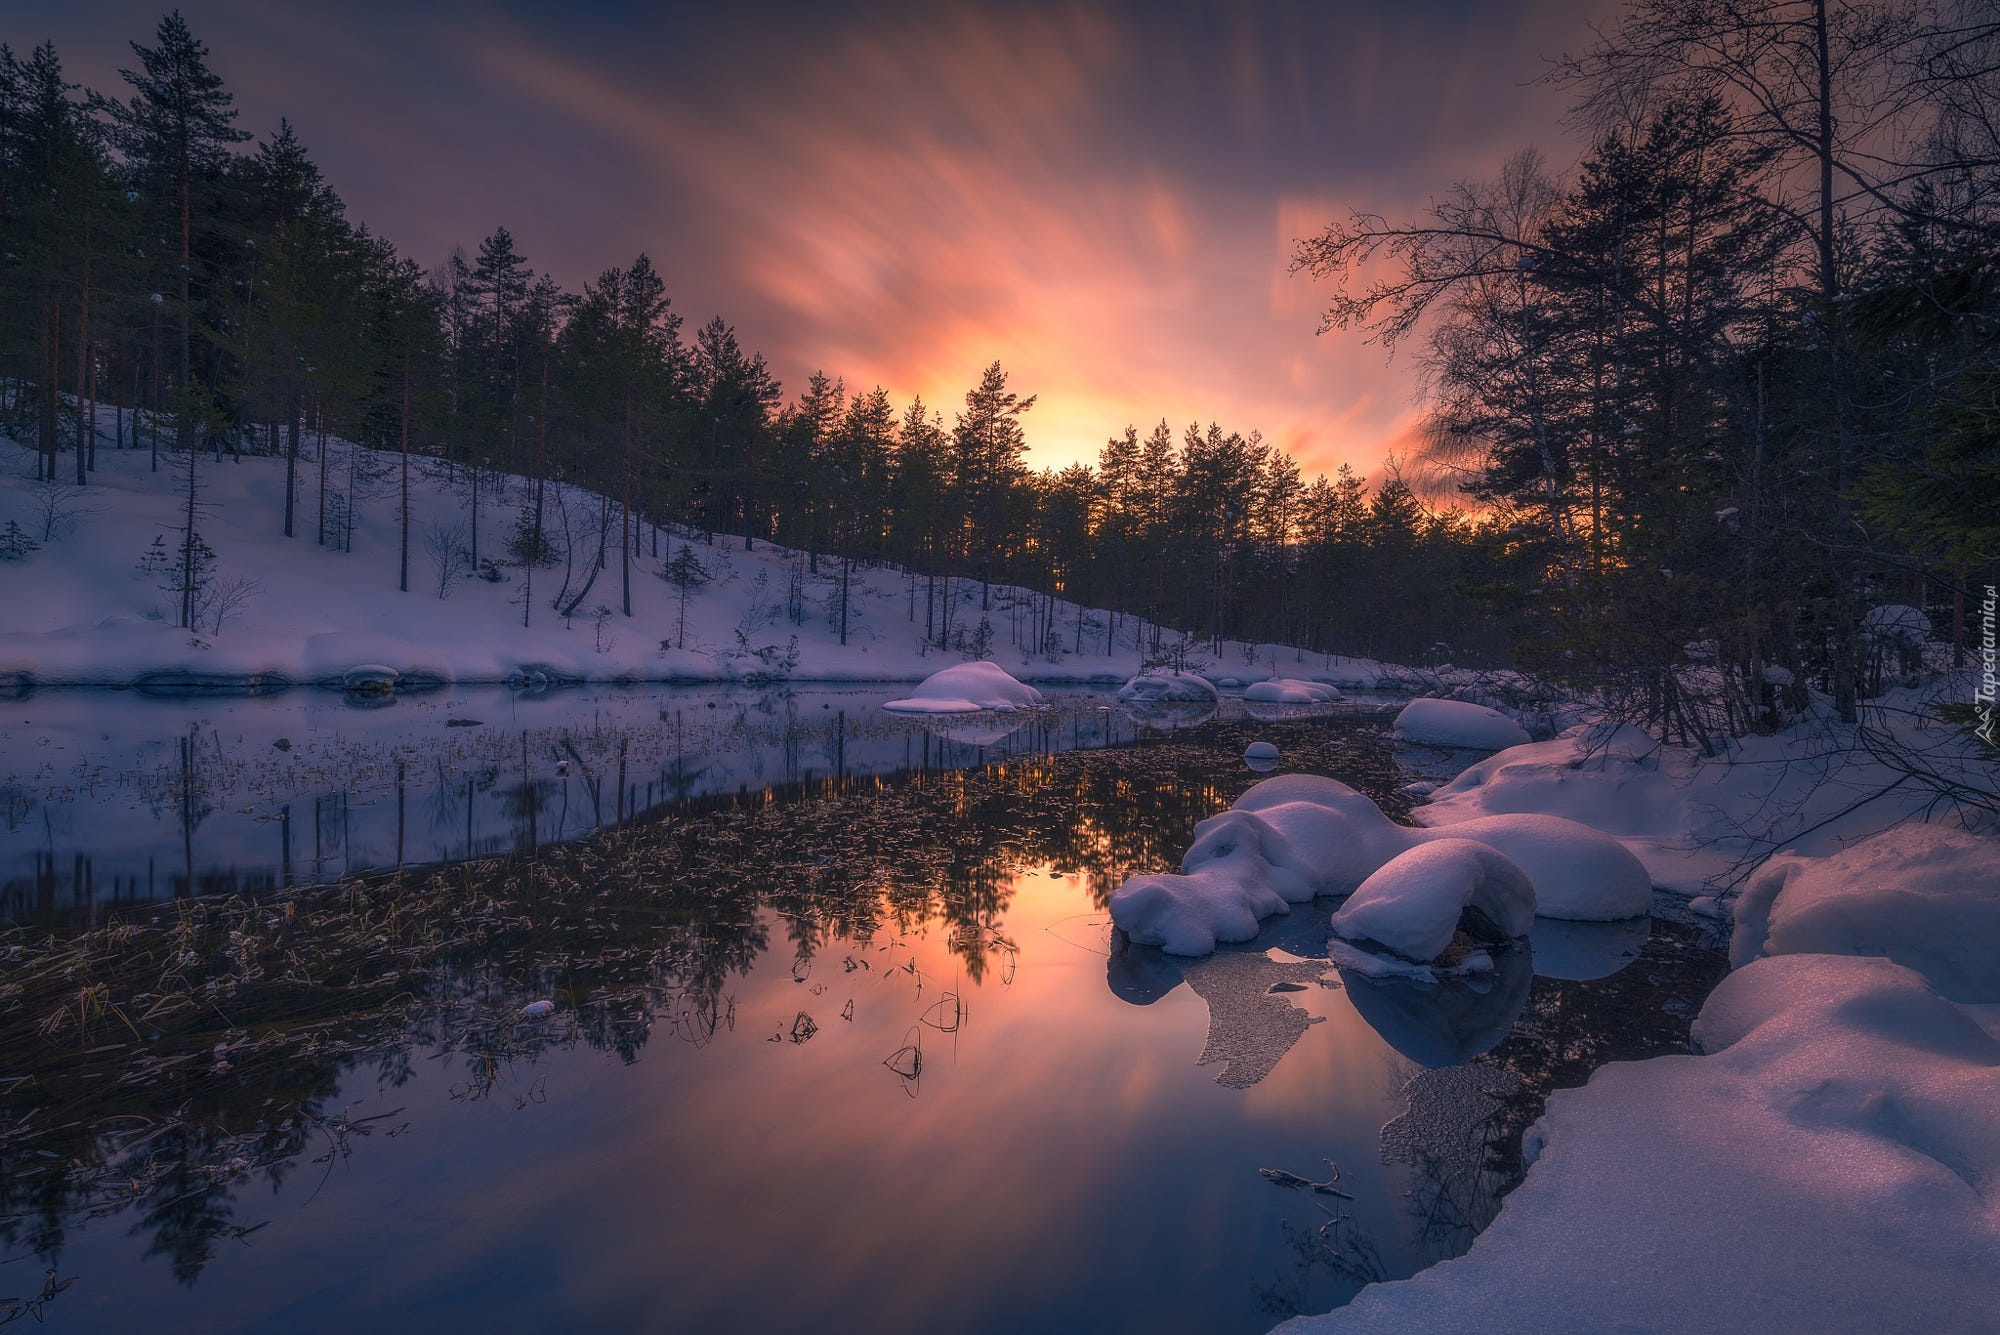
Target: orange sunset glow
1102, 200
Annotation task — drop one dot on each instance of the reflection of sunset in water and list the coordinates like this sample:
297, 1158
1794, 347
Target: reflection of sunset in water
1055, 1133
857, 1055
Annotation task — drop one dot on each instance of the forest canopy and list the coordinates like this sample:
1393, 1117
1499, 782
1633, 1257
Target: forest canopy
1703, 400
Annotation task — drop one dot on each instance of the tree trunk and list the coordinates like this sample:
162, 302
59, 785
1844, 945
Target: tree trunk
404, 579
625, 516
291, 469
187, 284
187, 551
322, 476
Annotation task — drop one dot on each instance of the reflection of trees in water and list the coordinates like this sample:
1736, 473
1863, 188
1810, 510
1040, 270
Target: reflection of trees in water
1468, 1157
1332, 1260
639, 930
1461, 1137
1569, 1029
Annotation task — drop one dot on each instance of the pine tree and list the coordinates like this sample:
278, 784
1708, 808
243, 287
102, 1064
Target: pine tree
15, 545
989, 448
177, 131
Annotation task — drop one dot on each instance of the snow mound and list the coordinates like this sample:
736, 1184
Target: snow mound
1299, 835
1290, 691
1846, 1112
1260, 751
1925, 896
1580, 874
1168, 688
966, 688
1897, 621
1458, 723
1414, 903
1191, 913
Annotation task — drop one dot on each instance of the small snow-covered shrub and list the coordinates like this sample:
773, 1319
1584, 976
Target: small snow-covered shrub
686, 573
15, 544
155, 559
759, 612
530, 543
979, 644
1176, 656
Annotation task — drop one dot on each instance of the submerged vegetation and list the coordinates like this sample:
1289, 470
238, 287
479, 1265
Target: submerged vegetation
161, 1060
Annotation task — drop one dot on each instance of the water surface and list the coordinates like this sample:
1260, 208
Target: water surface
856, 1052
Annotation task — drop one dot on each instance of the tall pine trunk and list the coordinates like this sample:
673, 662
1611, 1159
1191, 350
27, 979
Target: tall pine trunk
187, 549
404, 579
625, 515
291, 467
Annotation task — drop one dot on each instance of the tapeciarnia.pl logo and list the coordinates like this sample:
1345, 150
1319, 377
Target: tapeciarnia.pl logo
1986, 696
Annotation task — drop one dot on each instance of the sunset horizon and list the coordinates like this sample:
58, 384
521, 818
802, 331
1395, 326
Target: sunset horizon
1103, 201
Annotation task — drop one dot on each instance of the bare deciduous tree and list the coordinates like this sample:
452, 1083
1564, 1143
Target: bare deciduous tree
226, 597
59, 505
451, 561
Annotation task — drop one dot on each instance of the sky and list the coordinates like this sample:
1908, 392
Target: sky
1101, 196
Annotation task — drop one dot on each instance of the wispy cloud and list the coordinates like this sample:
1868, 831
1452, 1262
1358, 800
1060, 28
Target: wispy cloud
1101, 196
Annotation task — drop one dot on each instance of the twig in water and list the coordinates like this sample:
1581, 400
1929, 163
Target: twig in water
1292, 1181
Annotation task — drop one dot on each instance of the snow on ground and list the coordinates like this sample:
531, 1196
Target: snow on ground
1458, 723
1413, 902
1925, 896
1830, 1166
1289, 691
1297, 836
1168, 687
1832, 1159
91, 606
1697, 823
967, 688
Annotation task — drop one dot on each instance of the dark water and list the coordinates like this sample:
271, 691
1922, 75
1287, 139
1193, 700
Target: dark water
112, 798
859, 1054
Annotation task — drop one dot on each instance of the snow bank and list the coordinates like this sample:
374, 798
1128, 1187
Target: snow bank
1289, 691
1168, 688
1458, 723
1925, 896
1694, 821
1299, 835
966, 688
92, 609
1413, 903
1829, 1167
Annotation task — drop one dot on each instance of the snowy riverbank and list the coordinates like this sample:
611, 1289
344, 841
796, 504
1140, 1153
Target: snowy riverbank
1828, 1155
93, 604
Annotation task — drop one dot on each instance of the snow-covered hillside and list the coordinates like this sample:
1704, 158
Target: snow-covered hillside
88, 606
